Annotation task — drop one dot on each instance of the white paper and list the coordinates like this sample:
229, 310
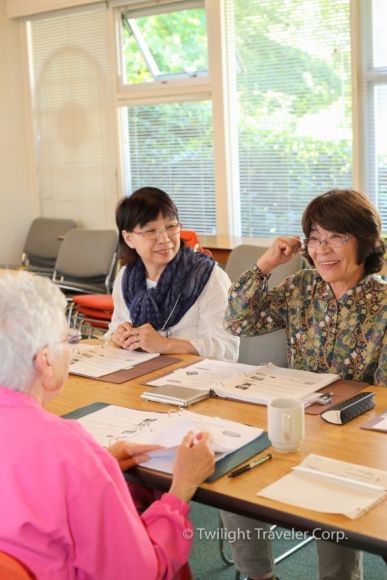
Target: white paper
271, 382
103, 360
114, 423
330, 486
381, 426
203, 375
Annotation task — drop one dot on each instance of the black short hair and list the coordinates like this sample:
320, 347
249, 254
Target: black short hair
142, 207
346, 211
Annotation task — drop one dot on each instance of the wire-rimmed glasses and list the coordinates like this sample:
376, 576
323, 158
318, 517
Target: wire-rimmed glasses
154, 233
332, 241
73, 337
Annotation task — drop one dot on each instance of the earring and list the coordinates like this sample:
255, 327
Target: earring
54, 384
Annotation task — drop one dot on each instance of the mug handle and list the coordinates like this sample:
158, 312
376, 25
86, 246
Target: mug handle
286, 427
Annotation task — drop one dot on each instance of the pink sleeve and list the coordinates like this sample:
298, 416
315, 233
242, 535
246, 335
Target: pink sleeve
167, 526
110, 539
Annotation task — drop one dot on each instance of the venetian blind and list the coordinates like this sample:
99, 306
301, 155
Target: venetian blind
292, 73
170, 146
374, 89
74, 118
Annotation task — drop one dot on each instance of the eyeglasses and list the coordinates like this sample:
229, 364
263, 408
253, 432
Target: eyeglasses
332, 241
73, 337
153, 234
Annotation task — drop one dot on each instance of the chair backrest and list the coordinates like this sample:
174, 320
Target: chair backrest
12, 569
268, 347
42, 245
191, 239
86, 254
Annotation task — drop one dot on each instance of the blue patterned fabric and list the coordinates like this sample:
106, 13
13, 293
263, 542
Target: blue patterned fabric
185, 276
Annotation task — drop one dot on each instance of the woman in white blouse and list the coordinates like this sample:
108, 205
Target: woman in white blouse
167, 298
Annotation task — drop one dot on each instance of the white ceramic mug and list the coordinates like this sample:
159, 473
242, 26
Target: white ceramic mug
286, 424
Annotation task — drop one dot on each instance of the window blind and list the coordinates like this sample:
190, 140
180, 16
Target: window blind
292, 74
74, 122
170, 146
374, 90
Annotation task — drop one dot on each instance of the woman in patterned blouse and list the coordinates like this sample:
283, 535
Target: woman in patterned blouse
335, 317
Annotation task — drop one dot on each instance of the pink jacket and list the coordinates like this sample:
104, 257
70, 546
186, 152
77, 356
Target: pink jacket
65, 509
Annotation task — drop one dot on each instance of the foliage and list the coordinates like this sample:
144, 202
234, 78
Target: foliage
293, 98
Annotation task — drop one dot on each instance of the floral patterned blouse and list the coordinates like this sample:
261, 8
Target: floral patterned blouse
347, 337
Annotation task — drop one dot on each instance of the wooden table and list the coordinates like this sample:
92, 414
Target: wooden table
347, 443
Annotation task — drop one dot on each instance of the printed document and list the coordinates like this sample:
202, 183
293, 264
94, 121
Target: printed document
102, 360
114, 423
271, 382
330, 486
204, 374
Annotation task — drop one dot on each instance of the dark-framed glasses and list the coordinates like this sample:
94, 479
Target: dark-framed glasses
154, 233
73, 337
334, 241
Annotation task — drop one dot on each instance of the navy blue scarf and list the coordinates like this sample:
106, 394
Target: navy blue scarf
178, 288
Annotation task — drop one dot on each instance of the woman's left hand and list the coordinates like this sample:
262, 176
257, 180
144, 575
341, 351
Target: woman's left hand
145, 337
130, 454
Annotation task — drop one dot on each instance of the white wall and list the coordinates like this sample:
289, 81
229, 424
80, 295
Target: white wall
16, 211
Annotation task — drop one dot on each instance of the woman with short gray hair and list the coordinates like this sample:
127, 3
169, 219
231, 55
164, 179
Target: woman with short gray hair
66, 511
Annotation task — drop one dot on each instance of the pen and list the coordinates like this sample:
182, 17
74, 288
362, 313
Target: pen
323, 399
254, 464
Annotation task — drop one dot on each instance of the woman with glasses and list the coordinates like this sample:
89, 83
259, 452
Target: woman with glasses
335, 320
167, 298
66, 511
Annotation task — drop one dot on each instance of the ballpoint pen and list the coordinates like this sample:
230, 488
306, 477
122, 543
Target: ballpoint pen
254, 464
323, 399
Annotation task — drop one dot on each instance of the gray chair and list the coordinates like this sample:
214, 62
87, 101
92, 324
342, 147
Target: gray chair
42, 244
269, 347
87, 261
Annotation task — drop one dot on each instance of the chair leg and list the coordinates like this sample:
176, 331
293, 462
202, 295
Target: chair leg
237, 575
292, 550
221, 543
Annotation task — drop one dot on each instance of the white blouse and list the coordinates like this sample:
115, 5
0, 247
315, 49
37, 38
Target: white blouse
201, 325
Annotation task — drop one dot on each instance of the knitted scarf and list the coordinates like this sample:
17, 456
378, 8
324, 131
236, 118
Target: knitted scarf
179, 286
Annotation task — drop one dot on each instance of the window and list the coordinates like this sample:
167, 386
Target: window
74, 118
291, 65
374, 93
163, 44
170, 146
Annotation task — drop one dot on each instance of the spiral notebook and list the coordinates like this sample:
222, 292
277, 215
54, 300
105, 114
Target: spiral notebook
330, 486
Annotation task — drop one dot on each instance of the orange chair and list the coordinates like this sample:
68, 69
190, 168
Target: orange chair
12, 569
191, 239
91, 311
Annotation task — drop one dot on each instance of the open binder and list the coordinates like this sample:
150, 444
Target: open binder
222, 466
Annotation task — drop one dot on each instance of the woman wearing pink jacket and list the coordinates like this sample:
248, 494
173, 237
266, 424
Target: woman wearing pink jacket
65, 509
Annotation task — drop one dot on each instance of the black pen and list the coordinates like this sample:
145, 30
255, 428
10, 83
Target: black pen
247, 467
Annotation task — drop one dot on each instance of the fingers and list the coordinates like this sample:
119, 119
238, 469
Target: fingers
126, 464
133, 449
289, 245
188, 440
202, 436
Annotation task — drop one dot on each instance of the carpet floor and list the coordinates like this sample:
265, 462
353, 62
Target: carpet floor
206, 563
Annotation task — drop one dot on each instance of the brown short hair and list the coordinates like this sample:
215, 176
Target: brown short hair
142, 207
346, 211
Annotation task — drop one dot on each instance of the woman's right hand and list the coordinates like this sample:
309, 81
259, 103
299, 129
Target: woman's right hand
281, 251
194, 462
117, 335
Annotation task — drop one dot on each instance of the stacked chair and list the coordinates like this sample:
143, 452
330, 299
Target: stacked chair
191, 239
43, 244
